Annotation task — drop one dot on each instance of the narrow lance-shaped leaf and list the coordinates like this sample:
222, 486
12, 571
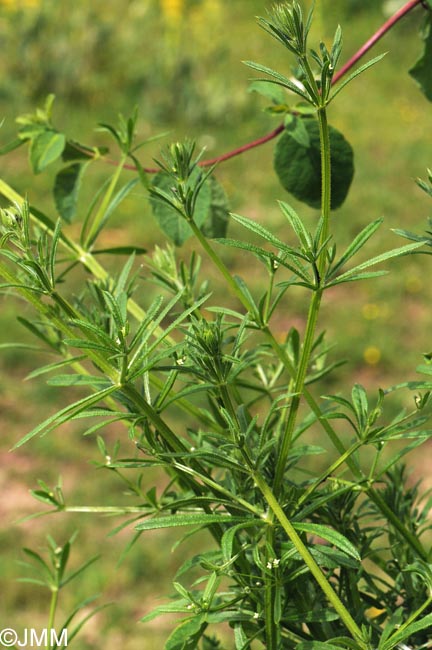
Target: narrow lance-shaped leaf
395, 252
66, 414
356, 73
278, 79
358, 242
192, 519
332, 536
406, 631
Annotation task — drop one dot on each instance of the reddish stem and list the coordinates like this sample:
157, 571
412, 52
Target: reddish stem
345, 68
375, 38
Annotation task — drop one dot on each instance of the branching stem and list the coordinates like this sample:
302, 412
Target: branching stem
386, 27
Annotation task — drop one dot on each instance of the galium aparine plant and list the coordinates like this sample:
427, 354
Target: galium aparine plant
329, 559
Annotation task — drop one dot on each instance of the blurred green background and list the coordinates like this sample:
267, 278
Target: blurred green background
180, 62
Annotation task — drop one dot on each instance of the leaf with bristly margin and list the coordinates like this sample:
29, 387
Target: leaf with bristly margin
421, 71
260, 230
278, 79
66, 189
120, 250
76, 151
188, 519
45, 148
354, 273
54, 366
176, 607
187, 634
298, 166
216, 224
360, 404
78, 380
330, 535
406, 631
169, 220
355, 74
358, 242
229, 535
318, 645
268, 90
66, 414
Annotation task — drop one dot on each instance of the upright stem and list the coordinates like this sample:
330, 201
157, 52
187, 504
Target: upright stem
299, 383
52, 612
308, 559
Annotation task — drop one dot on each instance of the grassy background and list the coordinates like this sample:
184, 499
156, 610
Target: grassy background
180, 62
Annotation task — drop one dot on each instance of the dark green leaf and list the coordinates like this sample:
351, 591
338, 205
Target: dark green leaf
121, 250
318, 645
187, 634
297, 130
299, 167
171, 222
66, 189
77, 151
421, 71
45, 149
216, 224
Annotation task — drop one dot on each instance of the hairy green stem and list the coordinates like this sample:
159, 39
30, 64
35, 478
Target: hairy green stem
310, 400
52, 612
299, 382
308, 559
94, 267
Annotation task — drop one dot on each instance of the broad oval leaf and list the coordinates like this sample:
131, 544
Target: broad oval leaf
297, 163
169, 221
45, 149
421, 71
216, 224
66, 189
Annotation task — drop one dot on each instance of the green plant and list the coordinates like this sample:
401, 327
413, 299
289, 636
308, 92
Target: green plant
300, 556
52, 575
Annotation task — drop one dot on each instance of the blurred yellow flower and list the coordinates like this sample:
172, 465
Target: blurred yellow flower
372, 355
172, 10
15, 5
370, 311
